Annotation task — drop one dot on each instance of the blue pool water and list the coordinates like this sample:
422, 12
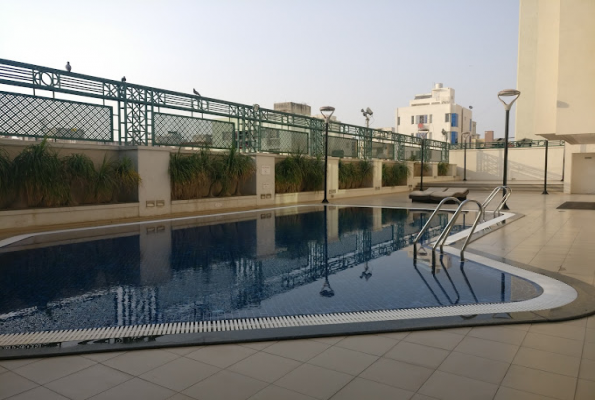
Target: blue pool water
280, 262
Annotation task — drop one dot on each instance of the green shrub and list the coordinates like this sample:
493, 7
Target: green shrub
5, 167
354, 175
39, 176
395, 174
126, 177
443, 168
236, 169
43, 179
298, 173
105, 182
204, 174
81, 174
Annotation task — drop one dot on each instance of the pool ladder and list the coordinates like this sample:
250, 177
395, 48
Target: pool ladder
480, 216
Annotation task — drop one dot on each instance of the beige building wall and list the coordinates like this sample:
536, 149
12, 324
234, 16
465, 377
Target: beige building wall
524, 163
556, 77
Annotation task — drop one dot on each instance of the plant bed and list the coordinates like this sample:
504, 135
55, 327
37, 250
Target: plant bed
298, 173
355, 175
204, 174
395, 174
39, 177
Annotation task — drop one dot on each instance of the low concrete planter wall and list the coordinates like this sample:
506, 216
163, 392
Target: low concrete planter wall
282, 199
36, 217
212, 204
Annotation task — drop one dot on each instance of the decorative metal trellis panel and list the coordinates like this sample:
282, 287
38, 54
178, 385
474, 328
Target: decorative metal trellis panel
511, 143
382, 150
176, 130
137, 106
342, 147
411, 153
24, 115
275, 140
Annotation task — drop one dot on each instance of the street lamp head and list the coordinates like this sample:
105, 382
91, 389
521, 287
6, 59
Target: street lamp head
508, 93
327, 112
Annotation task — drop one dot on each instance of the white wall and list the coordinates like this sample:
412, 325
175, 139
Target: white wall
524, 164
556, 70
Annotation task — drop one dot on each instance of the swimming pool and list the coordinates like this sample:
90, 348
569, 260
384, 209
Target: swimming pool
285, 267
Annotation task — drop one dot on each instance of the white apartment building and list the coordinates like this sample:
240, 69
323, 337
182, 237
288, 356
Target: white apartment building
435, 116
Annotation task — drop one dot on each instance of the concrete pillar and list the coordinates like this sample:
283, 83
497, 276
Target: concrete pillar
434, 169
154, 192
377, 179
332, 177
411, 179
265, 179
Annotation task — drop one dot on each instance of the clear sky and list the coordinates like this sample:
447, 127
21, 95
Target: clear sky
345, 53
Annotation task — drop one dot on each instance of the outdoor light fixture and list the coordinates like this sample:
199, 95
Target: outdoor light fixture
327, 112
507, 93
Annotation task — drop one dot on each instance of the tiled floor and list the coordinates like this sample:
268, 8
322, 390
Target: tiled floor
541, 361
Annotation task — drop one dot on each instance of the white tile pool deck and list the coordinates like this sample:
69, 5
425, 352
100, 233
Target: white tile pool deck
532, 361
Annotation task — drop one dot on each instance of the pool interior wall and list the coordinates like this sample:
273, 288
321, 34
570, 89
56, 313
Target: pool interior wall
253, 327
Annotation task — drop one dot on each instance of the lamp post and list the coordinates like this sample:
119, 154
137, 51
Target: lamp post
545, 173
465, 136
507, 106
327, 112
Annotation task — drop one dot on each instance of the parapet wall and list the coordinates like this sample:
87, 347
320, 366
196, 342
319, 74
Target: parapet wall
524, 163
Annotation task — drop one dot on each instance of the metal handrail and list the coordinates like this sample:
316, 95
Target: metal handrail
446, 231
507, 192
427, 225
448, 228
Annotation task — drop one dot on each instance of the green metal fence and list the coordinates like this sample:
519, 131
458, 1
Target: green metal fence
114, 111
511, 143
24, 115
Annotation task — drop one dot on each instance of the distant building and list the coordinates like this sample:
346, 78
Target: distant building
435, 116
489, 136
293, 108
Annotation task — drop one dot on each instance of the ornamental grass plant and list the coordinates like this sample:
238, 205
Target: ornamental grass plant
395, 174
205, 174
298, 173
353, 175
39, 177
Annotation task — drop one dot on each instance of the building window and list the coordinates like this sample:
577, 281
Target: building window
453, 137
430, 118
398, 121
454, 121
446, 117
470, 125
412, 120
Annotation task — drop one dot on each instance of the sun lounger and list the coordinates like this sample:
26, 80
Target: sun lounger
459, 193
424, 195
